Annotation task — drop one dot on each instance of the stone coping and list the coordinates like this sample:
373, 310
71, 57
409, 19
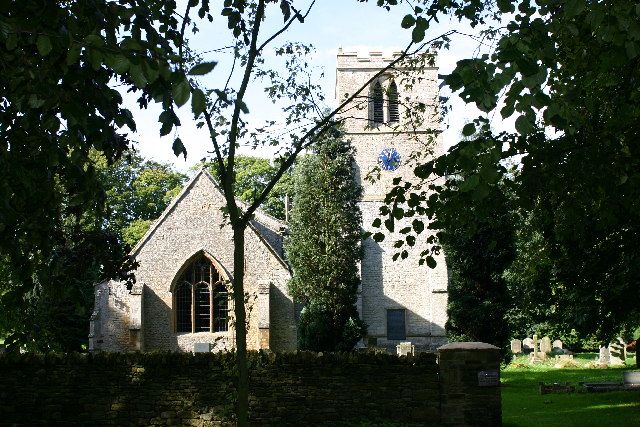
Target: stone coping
467, 346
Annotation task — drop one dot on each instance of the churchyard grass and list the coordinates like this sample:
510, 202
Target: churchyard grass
523, 405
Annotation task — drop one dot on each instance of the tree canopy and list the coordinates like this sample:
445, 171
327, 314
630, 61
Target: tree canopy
324, 247
567, 71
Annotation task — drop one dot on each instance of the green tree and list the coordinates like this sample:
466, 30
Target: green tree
252, 176
144, 44
137, 192
479, 245
58, 61
576, 124
324, 249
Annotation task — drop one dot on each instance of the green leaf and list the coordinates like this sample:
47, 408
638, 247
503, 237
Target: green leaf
120, 64
35, 102
431, 262
44, 45
573, 7
418, 33
179, 148
505, 6
193, 3
285, 7
165, 129
378, 237
202, 68
198, 102
137, 75
523, 125
408, 21
469, 183
74, 54
468, 129
376, 223
418, 226
181, 92
12, 41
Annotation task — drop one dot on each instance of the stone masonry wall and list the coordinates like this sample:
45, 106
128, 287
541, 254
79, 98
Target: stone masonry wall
185, 389
190, 227
388, 284
285, 389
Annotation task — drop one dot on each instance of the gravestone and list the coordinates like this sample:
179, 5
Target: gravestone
557, 345
603, 356
545, 345
617, 352
537, 356
516, 346
527, 345
405, 348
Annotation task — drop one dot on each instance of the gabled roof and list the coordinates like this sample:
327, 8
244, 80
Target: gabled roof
260, 221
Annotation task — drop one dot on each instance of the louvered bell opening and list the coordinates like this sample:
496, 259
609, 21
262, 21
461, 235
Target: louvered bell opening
394, 111
378, 104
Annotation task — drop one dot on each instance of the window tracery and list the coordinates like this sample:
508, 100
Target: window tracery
201, 299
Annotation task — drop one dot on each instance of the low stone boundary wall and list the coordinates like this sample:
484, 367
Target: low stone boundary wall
286, 389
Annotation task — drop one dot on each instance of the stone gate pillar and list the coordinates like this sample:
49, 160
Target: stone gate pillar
470, 384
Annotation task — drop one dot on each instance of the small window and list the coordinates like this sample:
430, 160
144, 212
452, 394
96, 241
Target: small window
377, 104
394, 112
396, 324
199, 286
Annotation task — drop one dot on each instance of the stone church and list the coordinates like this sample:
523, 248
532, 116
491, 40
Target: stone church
181, 298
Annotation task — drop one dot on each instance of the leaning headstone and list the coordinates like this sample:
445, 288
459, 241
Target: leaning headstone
527, 345
617, 352
603, 356
516, 346
557, 345
545, 345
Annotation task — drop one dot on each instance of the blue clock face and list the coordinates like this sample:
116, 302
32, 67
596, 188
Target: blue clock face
389, 159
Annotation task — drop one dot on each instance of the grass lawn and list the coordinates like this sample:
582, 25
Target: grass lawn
523, 405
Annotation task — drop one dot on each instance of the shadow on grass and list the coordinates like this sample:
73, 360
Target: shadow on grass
523, 405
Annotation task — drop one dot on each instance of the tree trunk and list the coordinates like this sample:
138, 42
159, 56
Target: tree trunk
242, 404
637, 353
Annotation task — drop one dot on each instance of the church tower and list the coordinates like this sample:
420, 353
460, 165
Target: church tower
399, 300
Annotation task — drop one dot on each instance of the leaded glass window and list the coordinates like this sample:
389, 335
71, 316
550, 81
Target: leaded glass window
201, 299
220, 308
396, 324
183, 303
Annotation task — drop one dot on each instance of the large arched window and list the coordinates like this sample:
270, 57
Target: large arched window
377, 104
394, 112
199, 285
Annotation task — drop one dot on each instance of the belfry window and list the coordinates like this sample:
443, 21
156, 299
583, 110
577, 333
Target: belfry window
377, 104
201, 299
394, 113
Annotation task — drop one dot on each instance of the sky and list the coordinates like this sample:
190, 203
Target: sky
331, 24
